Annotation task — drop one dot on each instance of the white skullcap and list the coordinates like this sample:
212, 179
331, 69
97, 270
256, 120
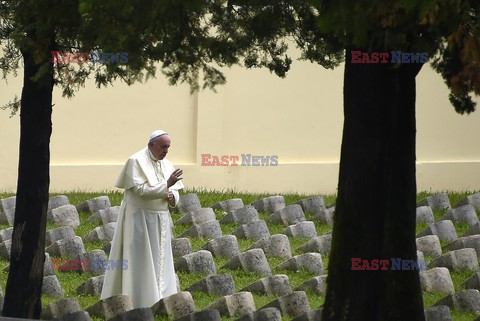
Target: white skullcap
157, 133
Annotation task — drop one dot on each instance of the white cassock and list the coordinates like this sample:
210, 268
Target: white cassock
142, 236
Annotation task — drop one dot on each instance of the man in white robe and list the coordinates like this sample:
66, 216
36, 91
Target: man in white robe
142, 238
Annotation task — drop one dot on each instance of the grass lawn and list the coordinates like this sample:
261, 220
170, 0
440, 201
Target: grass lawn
71, 280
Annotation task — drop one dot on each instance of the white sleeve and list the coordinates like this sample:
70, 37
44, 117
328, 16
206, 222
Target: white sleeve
176, 195
148, 192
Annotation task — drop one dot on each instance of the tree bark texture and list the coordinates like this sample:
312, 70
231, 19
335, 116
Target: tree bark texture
24, 284
376, 202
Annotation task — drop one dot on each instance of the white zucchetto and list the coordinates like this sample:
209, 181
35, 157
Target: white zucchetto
157, 133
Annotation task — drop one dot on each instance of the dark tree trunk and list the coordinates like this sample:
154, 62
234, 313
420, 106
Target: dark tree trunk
375, 210
24, 284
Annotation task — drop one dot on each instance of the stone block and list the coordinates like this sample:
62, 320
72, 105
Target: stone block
463, 301
445, 230
197, 216
429, 245
139, 314
92, 286
425, 215
473, 282
317, 285
101, 233
218, 284
267, 314
255, 230
276, 245
421, 258
110, 307
97, 262
463, 214
71, 247
181, 247
105, 216
175, 305
250, 261
473, 230
204, 315
473, 200
225, 246
200, 262
312, 262
107, 247
95, 204
57, 201
59, 233
5, 249
47, 265
292, 214
6, 234
237, 304
69, 265
75, 316
438, 313
325, 216
277, 285
269, 204
472, 241
437, 280
458, 260
7, 210
302, 229
311, 315
7, 203
228, 205
51, 286
437, 201
7, 216
60, 308
188, 203
319, 244
241, 215
292, 304
210, 229
65, 215
312, 205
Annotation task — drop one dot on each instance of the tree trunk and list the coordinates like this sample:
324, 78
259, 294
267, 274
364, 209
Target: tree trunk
376, 203
24, 284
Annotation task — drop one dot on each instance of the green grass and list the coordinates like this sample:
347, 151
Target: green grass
71, 280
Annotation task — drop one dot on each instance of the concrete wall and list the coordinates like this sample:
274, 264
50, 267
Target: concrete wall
299, 119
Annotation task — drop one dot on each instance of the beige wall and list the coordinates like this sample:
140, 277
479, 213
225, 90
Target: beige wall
299, 119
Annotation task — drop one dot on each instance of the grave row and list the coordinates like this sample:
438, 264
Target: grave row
63, 242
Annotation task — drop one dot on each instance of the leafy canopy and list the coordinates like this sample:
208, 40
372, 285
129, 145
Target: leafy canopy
191, 40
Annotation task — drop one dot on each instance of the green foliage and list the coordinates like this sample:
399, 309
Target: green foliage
449, 31
189, 40
420, 227
192, 40
461, 228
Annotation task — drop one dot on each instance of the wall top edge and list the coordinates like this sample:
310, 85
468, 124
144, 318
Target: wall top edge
419, 162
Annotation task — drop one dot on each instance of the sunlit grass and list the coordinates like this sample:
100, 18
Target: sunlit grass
71, 280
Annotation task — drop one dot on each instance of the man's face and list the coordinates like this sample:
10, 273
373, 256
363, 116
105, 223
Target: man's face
159, 146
